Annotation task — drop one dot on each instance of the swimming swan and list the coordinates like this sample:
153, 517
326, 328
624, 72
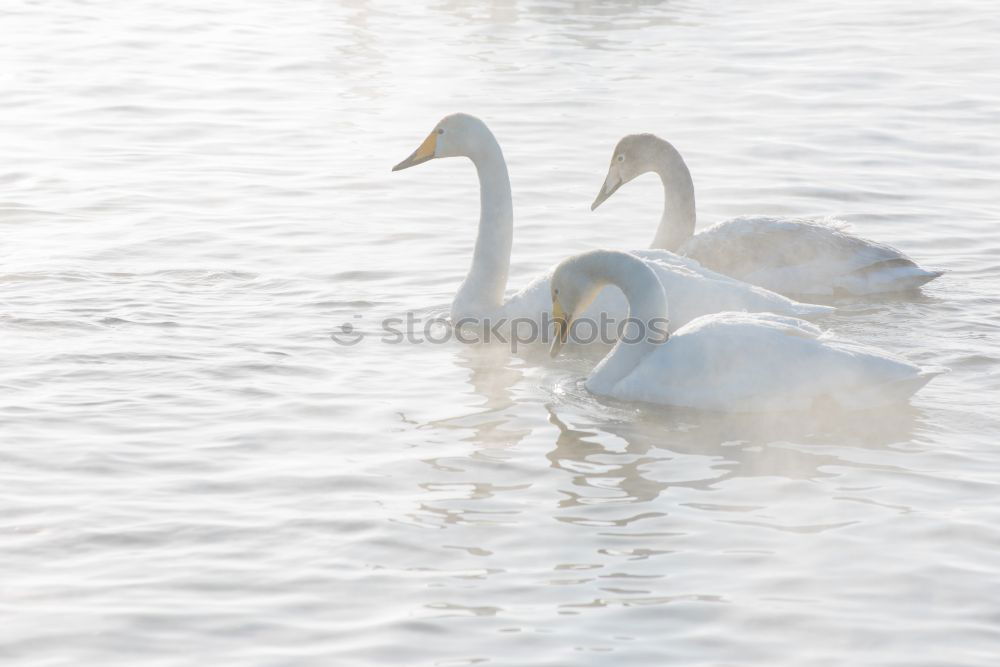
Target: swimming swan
724, 361
790, 256
693, 290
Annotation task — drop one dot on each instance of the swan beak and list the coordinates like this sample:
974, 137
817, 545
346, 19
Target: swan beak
423, 153
562, 328
607, 190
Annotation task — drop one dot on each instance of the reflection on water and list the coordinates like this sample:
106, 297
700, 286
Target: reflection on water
490, 376
730, 446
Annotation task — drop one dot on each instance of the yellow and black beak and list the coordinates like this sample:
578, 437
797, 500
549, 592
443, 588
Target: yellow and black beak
608, 189
423, 153
561, 320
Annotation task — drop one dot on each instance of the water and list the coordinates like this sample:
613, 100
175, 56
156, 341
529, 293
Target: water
194, 195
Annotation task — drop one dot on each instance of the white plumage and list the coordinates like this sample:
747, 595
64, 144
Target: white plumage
808, 257
692, 291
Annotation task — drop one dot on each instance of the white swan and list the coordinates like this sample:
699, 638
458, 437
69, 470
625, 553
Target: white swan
724, 361
790, 256
693, 289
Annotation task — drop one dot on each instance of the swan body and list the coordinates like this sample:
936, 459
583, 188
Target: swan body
725, 361
693, 289
791, 256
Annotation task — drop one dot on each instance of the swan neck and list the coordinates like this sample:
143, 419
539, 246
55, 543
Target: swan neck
678, 219
482, 292
647, 304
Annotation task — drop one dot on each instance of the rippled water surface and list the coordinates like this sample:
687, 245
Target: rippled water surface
194, 195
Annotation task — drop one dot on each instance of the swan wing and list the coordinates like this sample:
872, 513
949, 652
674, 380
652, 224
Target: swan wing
693, 290
804, 257
763, 361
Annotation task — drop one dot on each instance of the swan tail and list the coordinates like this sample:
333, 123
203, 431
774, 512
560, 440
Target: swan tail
910, 278
924, 276
903, 389
899, 275
896, 391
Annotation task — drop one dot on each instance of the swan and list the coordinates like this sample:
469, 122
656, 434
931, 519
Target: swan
693, 289
798, 257
724, 361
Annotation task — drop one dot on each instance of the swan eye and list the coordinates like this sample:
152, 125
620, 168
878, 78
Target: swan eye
440, 130
621, 158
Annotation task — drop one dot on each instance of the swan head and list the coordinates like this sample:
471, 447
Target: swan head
457, 135
574, 287
633, 156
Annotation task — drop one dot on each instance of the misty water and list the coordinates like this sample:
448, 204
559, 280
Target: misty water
195, 195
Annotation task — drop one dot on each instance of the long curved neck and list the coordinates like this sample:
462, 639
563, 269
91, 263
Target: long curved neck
678, 219
482, 291
647, 304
